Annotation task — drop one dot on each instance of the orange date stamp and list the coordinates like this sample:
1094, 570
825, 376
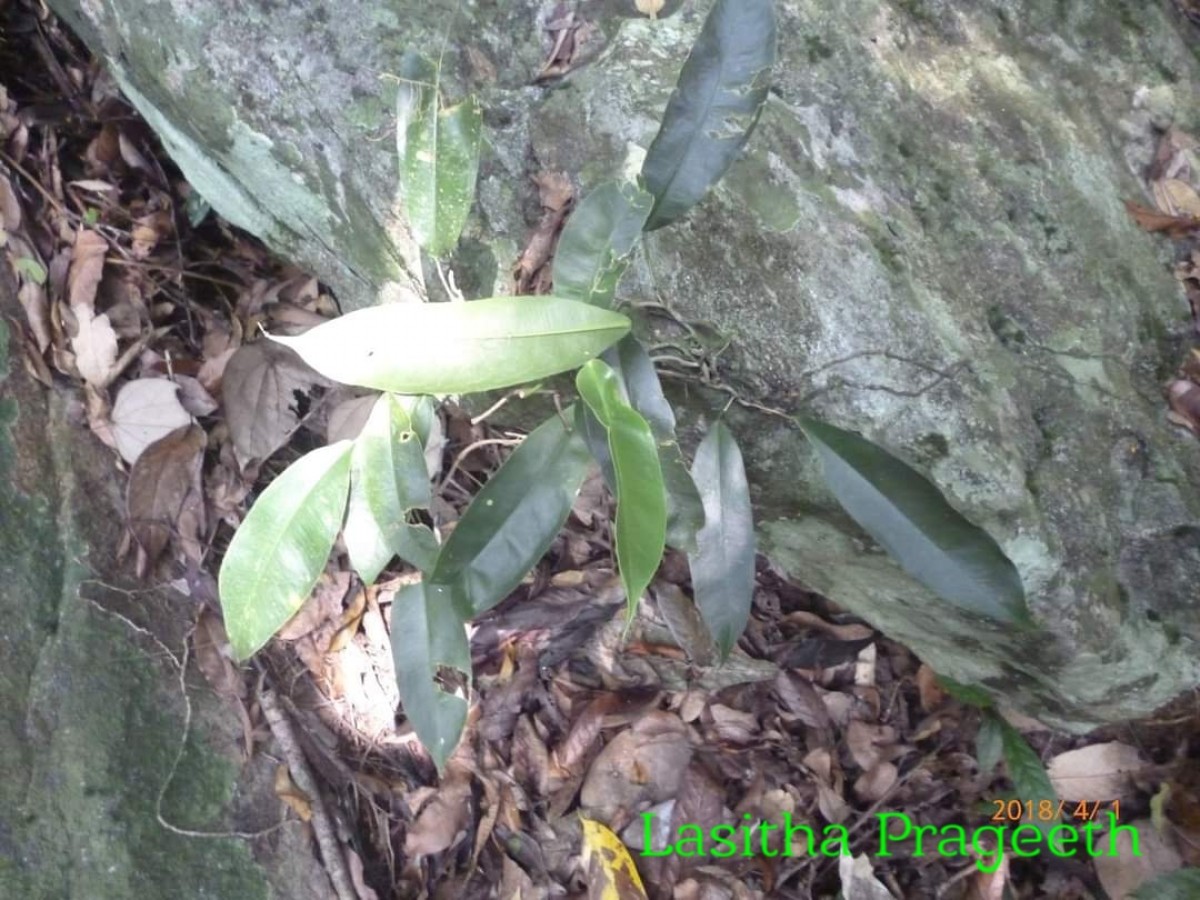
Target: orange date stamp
1046, 810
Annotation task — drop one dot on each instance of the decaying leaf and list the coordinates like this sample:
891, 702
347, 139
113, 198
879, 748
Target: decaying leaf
287, 791
609, 869
265, 389
145, 410
1096, 772
164, 484
443, 820
643, 764
87, 267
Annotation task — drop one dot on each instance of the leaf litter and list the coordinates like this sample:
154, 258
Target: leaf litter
814, 716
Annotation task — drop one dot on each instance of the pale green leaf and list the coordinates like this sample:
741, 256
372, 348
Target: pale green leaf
597, 242
388, 477
641, 524
723, 564
715, 106
457, 348
428, 637
911, 519
512, 521
439, 157
281, 547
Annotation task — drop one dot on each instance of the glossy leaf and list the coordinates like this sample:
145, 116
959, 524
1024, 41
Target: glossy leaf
428, 636
280, 549
457, 348
439, 157
388, 477
714, 108
512, 521
643, 389
723, 564
597, 242
911, 519
641, 497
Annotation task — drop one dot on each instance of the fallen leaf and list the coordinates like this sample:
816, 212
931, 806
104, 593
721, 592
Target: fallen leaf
642, 765
1184, 399
94, 345
323, 606
1152, 220
608, 868
263, 388
145, 410
859, 881
877, 782
162, 483
444, 818
286, 790
87, 267
1095, 772
1121, 872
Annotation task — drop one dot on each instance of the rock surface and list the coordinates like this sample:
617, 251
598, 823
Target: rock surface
91, 714
925, 241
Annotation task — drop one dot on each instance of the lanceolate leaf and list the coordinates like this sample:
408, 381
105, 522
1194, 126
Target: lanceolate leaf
597, 242
911, 519
456, 348
723, 564
715, 106
685, 513
428, 636
511, 523
388, 477
280, 549
641, 497
439, 157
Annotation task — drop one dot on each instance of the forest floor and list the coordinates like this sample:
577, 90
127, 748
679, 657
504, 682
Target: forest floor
147, 305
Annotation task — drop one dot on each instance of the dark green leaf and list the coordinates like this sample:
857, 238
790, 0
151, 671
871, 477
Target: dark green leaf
989, 744
439, 157
597, 242
280, 549
511, 522
723, 564
715, 106
1025, 768
641, 497
911, 519
457, 348
1182, 884
388, 477
428, 636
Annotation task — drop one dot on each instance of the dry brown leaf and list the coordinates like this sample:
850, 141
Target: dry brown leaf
444, 819
10, 207
870, 744
989, 885
323, 607
164, 482
145, 410
86, 270
1121, 872
346, 419
1153, 221
1096, 772
33, 299
931, 693
1176, 198
261, 388
859, 881
1184, 399
286, 790
214, 655
650, 8
642, 765
875, 784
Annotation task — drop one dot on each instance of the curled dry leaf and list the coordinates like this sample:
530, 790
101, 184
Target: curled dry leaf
164, 484
444, 818
1096, 772
262, 386
145, 410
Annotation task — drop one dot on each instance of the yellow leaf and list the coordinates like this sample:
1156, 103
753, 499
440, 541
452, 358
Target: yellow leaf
650, 8
609, 869
286, 790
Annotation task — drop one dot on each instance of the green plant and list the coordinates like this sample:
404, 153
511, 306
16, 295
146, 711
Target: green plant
624, 422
